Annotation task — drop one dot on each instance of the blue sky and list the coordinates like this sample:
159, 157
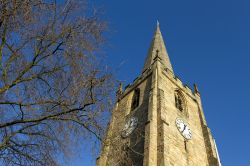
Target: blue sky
208, 43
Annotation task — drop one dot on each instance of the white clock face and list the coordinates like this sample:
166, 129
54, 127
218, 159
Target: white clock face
183, 128
129, 127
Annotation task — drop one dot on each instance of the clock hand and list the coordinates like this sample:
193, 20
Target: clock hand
184, 128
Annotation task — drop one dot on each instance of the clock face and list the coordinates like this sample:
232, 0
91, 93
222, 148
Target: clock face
129, 127
183, 128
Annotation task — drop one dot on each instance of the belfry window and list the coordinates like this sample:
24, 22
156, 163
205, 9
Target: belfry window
136, 99
179, 101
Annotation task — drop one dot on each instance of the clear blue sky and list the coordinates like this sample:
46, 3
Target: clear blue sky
208, 43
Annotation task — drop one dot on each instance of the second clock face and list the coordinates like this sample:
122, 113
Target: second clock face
183, 128
129, 127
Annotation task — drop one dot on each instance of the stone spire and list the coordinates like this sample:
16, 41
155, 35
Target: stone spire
158, 48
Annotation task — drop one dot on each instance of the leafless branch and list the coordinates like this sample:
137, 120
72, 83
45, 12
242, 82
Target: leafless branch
53, 88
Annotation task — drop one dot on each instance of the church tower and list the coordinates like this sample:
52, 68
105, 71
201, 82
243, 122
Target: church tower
158, 121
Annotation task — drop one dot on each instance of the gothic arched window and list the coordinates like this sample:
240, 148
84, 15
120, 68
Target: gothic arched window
136, 99
179, 101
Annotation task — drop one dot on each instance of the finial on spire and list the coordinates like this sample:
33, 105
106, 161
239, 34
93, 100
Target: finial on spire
119, 92
157, 23
196, 89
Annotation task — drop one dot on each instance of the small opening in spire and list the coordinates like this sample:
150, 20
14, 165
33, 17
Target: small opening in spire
157, 53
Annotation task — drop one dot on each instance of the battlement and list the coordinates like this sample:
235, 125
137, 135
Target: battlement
136, 82
175, 79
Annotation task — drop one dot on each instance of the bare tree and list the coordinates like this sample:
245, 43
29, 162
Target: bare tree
52, 86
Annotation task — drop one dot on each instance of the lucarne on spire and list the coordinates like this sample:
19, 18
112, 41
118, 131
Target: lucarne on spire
158, 48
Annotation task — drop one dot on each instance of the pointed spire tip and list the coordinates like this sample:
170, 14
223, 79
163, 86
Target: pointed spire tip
157, 23
157, 46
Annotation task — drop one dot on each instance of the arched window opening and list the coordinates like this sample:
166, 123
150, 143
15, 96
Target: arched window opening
136, 99
179, 101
